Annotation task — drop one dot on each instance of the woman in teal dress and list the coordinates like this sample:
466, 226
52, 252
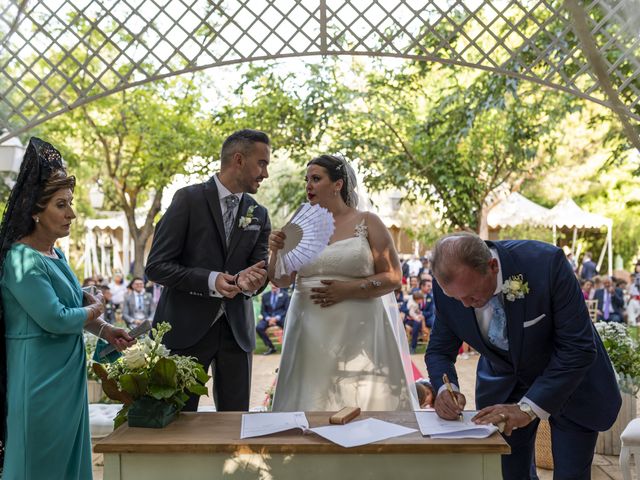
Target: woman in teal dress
43, 390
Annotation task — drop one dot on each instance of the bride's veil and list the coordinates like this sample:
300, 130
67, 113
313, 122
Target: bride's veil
389, 300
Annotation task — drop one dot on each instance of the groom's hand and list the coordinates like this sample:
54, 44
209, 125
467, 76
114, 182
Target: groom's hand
226, 286
252, 278
446, 406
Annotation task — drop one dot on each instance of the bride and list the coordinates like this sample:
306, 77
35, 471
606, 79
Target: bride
344, 344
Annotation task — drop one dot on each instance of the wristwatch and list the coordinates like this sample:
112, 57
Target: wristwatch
526, 408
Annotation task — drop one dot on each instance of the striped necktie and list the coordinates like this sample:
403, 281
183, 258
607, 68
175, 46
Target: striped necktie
230, 201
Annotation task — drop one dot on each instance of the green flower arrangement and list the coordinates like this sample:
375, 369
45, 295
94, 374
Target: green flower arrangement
624, 354
147, 378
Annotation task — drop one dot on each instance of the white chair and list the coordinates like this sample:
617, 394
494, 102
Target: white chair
630, 446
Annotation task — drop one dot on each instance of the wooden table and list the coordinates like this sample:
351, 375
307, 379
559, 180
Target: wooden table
208, 446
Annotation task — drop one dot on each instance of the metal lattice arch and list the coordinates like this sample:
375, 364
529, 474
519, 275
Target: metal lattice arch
590, 49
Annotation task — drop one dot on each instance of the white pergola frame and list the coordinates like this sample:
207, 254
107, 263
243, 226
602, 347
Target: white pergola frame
140, 41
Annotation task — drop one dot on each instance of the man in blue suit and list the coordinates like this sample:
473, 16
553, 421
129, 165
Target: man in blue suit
274, 308
610, 302
520, 306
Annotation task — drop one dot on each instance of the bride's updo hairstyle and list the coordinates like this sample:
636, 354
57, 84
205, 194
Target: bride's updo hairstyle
336, 167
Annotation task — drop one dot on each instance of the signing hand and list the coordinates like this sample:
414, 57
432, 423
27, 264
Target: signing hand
276, 240
226, 286
330, 295
446, 406
117, 337
509, 415
252, 278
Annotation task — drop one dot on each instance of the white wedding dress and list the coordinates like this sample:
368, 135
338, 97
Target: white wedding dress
353, 353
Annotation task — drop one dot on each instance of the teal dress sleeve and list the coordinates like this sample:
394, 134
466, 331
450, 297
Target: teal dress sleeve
28, 279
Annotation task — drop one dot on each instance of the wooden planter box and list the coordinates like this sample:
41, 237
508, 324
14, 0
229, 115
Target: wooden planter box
609, 441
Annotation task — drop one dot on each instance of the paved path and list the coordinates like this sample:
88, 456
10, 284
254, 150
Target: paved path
264, 371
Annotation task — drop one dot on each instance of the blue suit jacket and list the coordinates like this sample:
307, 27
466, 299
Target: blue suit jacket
555, 358
281, 306
617, 302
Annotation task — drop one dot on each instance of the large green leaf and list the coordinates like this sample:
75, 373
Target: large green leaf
164, 374
198, 389
134, 384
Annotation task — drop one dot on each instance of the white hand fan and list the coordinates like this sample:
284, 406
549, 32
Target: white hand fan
308, 233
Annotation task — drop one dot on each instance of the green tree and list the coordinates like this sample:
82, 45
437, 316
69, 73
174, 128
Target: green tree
135, 142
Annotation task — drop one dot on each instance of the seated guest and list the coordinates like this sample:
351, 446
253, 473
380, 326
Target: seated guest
274, 309
414, 284
597, 285
414, 319
138, 305
109, 307
610, 302
428, 306
587, 289
426, 393
633, 308
402, 304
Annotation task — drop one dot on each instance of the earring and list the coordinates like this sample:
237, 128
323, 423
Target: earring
335, 193
37, 219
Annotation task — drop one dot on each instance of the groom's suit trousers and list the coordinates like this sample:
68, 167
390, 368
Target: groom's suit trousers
219, 349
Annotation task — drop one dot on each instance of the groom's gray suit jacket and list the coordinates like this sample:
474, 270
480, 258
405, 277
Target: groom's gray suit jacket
189, 243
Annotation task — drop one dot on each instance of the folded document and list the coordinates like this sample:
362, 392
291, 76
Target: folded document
435, 427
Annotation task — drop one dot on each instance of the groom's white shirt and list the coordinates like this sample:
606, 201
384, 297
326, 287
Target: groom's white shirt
222, 193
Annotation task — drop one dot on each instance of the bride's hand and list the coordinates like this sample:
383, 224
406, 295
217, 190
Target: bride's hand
329, 295
276, 240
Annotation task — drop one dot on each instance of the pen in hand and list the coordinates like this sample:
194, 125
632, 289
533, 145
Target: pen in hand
445, 379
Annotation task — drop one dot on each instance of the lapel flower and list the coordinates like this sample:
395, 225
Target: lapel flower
245, 221
515, 287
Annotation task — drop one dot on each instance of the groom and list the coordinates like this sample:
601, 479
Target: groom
209, 252
520, 306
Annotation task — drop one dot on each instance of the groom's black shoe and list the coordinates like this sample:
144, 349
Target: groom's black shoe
270, 351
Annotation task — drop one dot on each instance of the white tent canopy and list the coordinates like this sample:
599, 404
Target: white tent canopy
515, 210
567, 214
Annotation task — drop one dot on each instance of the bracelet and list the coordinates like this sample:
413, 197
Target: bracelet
372, 283
104, 324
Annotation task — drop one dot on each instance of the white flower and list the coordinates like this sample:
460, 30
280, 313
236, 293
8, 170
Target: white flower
245, 221
134, 357
515, 287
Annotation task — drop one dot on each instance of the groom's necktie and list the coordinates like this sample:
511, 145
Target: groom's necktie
498, 325
230, 201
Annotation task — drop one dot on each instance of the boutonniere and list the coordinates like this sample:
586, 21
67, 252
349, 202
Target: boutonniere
245, 221
515, 287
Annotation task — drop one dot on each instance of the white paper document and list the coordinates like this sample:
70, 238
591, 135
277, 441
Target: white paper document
258, 424
435, 427
361, 432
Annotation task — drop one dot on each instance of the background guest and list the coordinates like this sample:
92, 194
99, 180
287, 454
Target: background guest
274, 309
589, 268
109, 307
633, 308
118, 289
138, 305
610, 302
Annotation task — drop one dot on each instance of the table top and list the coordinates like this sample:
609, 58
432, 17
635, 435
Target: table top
219, 432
